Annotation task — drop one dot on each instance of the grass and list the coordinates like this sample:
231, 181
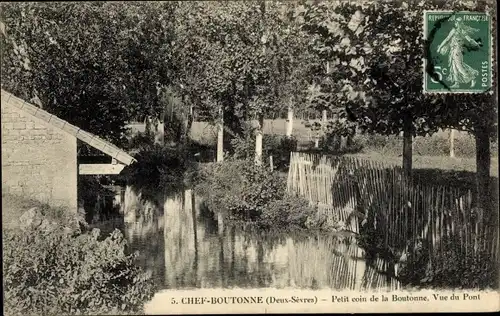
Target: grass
434, 162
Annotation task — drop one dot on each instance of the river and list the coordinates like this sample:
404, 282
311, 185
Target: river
180, 244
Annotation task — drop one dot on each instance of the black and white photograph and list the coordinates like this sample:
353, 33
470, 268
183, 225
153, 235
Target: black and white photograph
174, 157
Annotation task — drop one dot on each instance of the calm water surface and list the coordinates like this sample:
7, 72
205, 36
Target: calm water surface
180, 244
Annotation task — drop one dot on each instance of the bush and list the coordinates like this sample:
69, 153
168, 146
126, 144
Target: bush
70, 274
246, 193
239, 188
290, 212
331, 144
89, 189
243, 146
160, 167
141, 141
13, 206
452, 269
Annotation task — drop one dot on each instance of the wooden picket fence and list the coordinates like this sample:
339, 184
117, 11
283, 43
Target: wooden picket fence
362, 192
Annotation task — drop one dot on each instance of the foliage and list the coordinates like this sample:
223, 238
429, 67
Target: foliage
452, 269
280, 148
175, 116
244, 58
90, 188
160, 167
71, 274
141, 141
239, 60
372, 241
95, 65
277, 146
331, 142
239, 189
13, 206
288, 212
243, 146
376, 49
244, 192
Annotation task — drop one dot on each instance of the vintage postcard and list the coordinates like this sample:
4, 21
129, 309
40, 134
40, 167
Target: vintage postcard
234, 157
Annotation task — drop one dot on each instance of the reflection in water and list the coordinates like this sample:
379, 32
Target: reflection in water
181, 246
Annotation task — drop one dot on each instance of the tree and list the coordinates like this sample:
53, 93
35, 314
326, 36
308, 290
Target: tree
369, 63
284, 63
95, 65
478, 114
292, 59
377, 50
232, 80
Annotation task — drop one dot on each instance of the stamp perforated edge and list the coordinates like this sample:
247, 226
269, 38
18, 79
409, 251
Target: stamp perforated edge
424, 59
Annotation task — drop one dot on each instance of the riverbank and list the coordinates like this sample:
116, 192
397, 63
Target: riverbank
74, 270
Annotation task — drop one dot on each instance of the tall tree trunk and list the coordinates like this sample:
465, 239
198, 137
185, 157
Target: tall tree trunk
349, 140
234, 124
160, 133
220, 222
324, 114
258, 140
483, 164
336, 139
260, 128
289, 121
452, 143
407, 148
220, 136
316, 142
189, 123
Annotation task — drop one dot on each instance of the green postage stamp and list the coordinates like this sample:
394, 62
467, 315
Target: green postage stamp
458, 52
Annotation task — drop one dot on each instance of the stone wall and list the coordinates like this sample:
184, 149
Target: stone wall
38, 160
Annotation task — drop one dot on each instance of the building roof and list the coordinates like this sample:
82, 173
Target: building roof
88, 138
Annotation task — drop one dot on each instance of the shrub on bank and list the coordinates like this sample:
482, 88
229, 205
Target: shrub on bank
454, 268
164, 167
239, 188
245, 192
15, 205
288, 212
141, 141
53, 270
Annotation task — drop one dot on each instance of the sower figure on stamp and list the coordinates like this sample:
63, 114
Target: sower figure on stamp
453, 45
